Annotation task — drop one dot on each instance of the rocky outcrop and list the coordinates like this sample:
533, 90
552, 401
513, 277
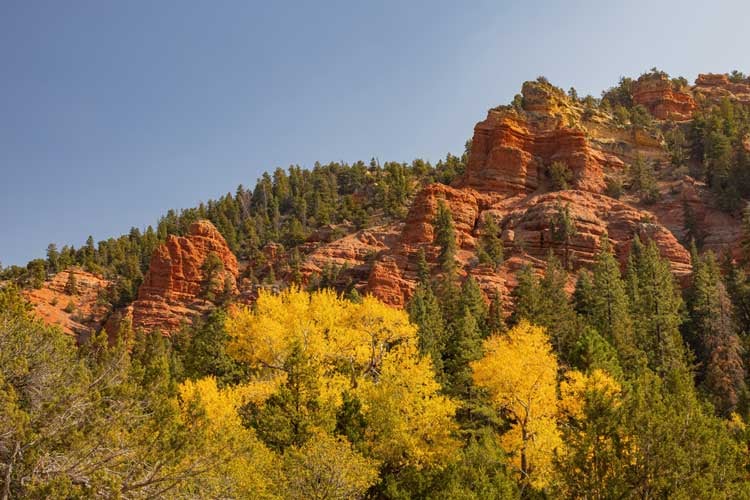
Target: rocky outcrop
510, 155
353, 255
715, 87
525, 222
173, 289
526, 227
512, 149
662, 98
72, 303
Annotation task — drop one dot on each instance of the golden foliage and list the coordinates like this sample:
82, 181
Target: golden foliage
519, 372
367, 349
241, 466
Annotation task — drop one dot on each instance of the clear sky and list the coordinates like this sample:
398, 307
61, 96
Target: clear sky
113, 112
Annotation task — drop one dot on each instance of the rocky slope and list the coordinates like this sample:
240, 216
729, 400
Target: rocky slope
77, 309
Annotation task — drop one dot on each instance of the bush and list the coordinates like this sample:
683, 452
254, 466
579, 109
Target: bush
560, 175
614, 187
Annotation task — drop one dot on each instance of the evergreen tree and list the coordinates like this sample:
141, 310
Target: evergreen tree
464, 346
563, 229
610, 308
445, 238
425, 312
583, 295
71, 285
656, 310
53, 258
496, 318
490, 244
714, 335
212, 269
472, 299
423, 268
526, 296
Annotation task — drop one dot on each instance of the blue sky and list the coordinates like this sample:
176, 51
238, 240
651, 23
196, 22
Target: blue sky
113, 112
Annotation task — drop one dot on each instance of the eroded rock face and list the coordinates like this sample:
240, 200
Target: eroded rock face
78, 312
513, 149
717, 86
659, 95
172, 290
525, 222
353, 254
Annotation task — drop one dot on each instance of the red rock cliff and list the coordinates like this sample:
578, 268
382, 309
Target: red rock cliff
172, 289
658, 94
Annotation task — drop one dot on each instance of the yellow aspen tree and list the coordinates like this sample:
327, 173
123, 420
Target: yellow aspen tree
367, 350
235, 463
519, 372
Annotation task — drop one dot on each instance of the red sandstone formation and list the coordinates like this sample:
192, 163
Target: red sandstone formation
353, 254
172, 291
717, 86
658, 94
525, 223
79, 313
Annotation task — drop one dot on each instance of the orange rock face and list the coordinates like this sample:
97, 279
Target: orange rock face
172, 289
353, 253
525, 222
512, 149
79, 313
658, 95
717, 86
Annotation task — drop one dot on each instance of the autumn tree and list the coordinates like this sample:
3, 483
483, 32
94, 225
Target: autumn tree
327, 468
309, 349
519, 371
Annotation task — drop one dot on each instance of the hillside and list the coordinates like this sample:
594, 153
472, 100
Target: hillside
642, 160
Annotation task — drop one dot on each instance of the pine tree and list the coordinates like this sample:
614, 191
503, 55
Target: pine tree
445, 238
563, 229
71, 285
610, 311
490, 244
656, 310
463, 347
583, 295
472, 299
525, 295
545, 303
496, 318
53, 258
423, 268
714, 335
557, 313
425, 312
